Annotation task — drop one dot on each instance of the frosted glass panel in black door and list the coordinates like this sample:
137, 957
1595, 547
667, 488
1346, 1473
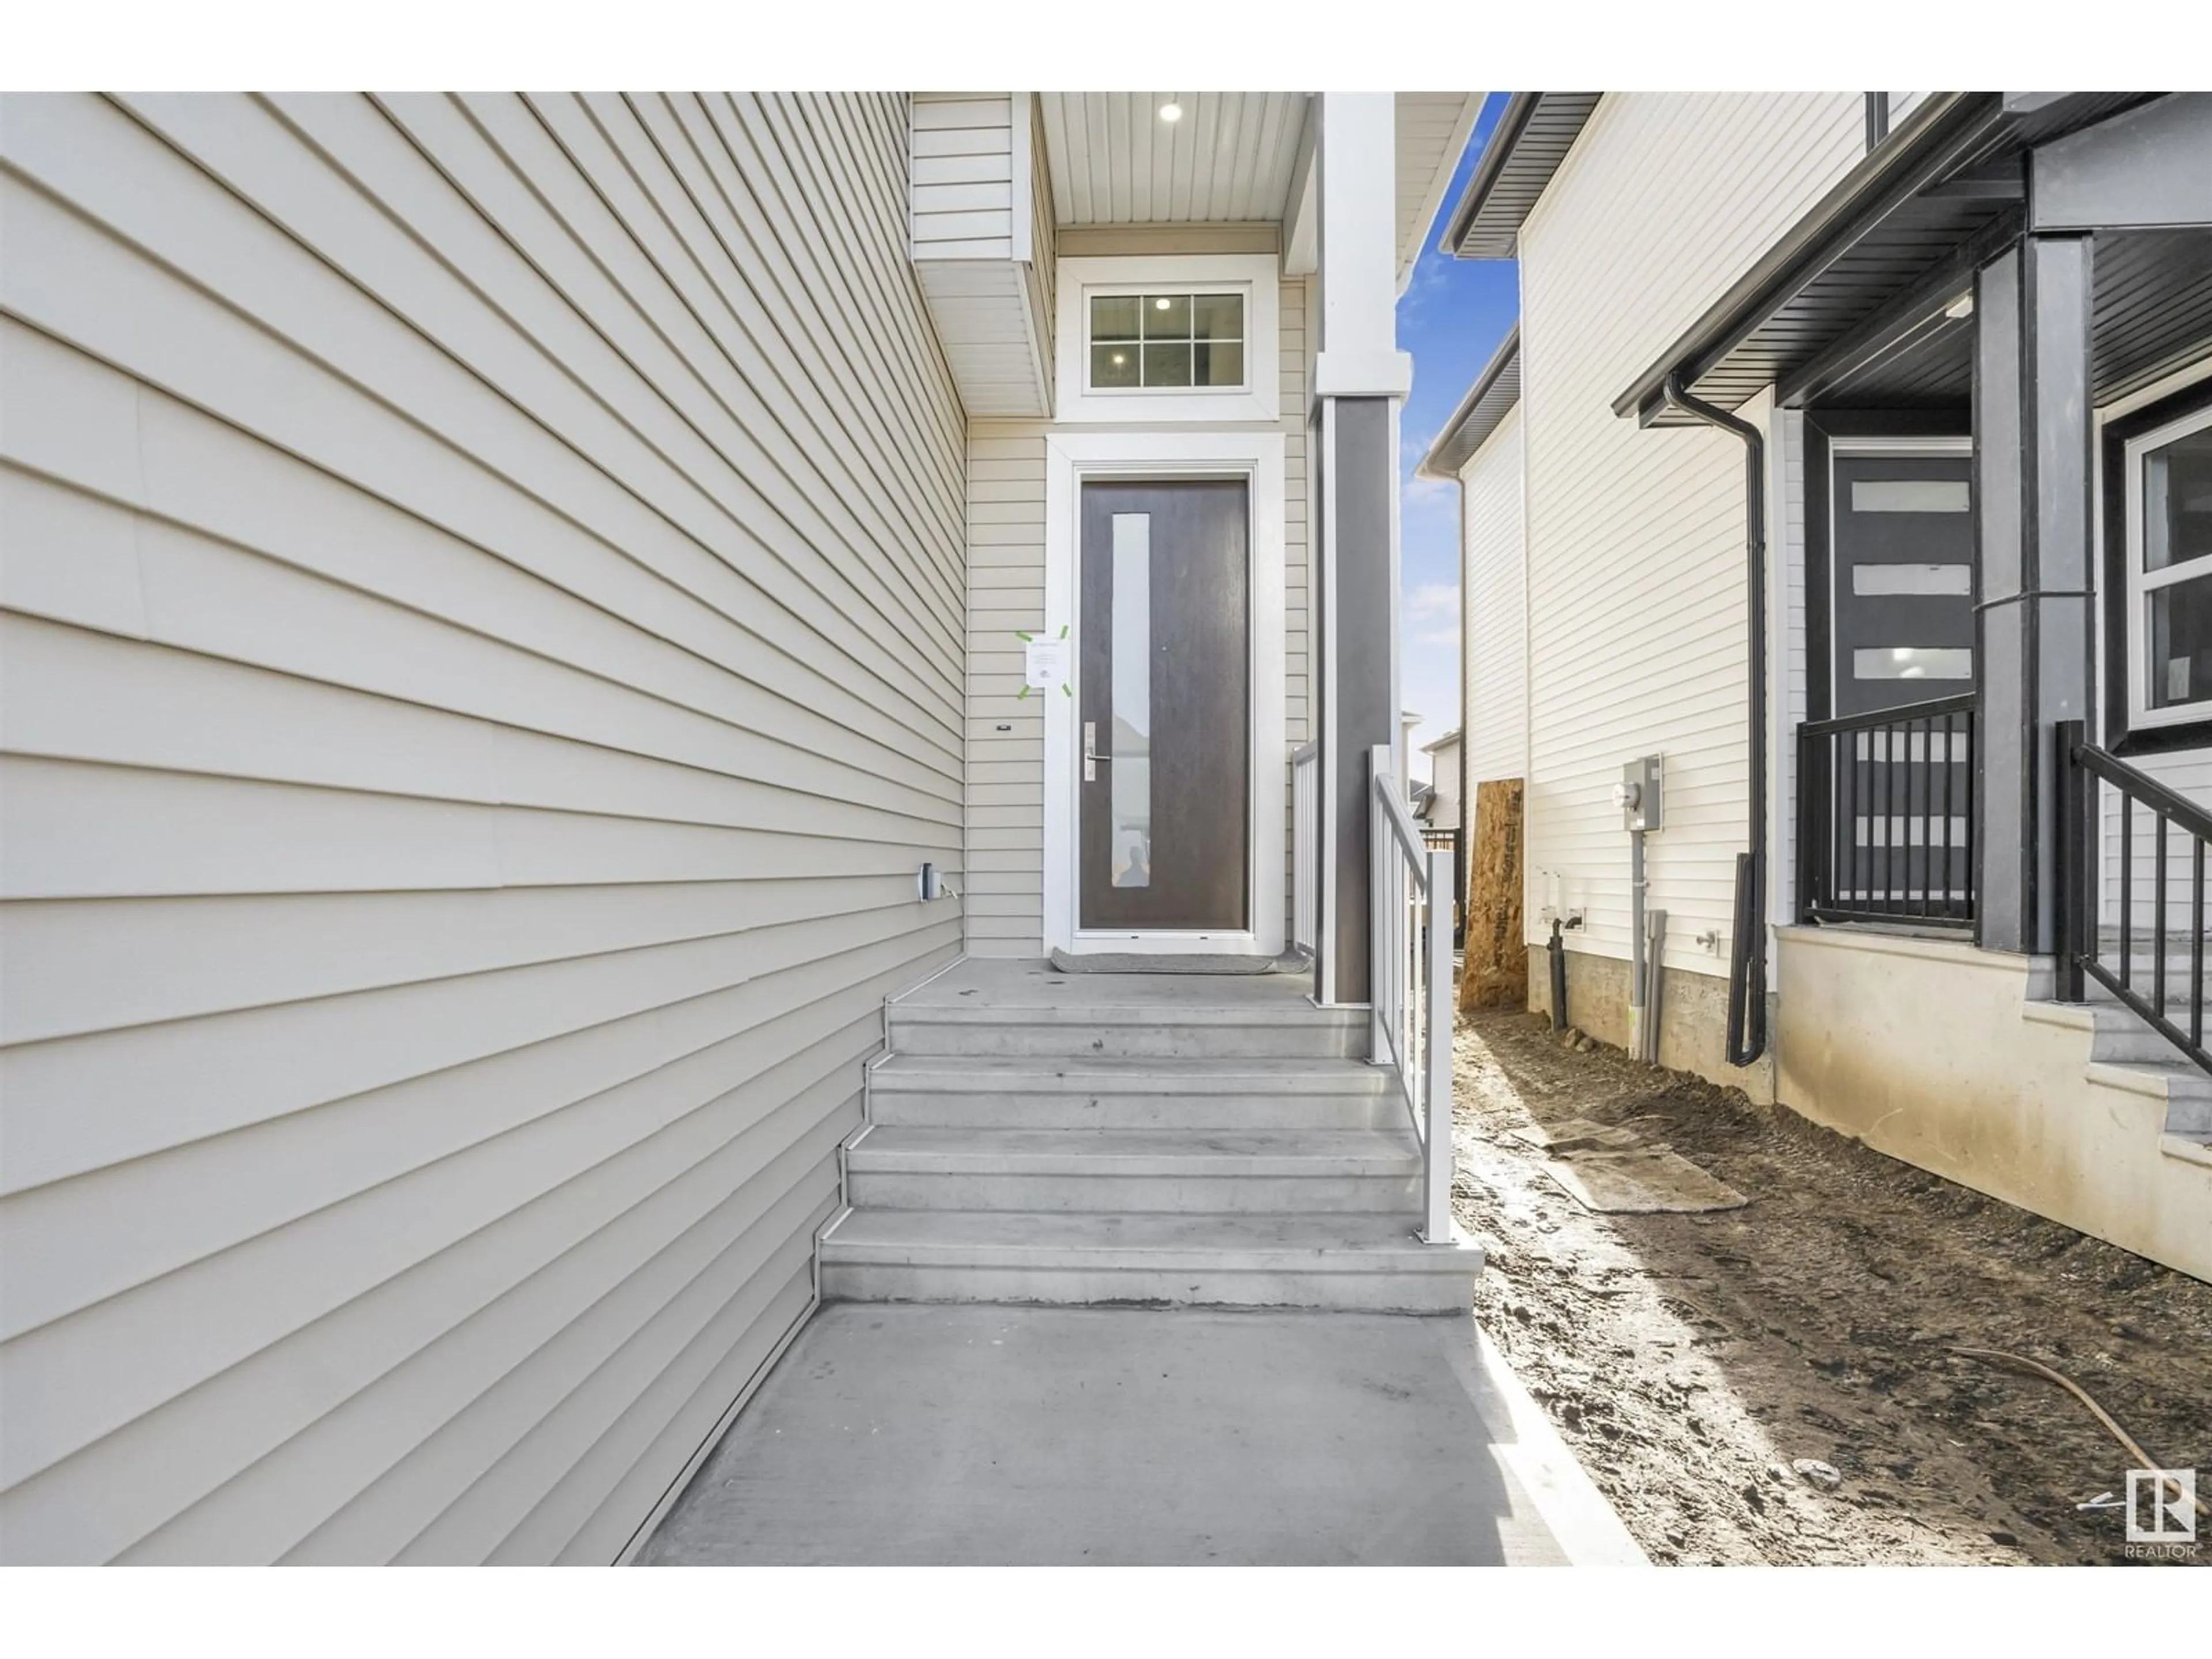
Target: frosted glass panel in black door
1164, 827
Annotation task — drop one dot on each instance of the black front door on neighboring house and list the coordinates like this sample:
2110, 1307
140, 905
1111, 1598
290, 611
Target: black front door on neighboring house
1901, 605
1164, 829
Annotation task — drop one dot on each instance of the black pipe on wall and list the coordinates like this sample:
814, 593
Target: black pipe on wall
1746, 1010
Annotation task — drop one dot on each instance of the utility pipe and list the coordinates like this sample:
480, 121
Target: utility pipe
1746, 1010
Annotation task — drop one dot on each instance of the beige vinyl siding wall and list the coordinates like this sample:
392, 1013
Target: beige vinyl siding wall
1496, 626
963, 175
1636, 538
482, 665
1005, 896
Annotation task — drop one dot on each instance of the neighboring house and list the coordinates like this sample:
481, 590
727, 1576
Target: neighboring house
1936, 370
1444, 782
508, 602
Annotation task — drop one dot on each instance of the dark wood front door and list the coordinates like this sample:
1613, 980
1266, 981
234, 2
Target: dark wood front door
1165, 776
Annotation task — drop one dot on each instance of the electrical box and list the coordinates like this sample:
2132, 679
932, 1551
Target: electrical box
1641, 794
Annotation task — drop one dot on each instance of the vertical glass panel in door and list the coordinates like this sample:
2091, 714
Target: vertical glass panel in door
1131, 784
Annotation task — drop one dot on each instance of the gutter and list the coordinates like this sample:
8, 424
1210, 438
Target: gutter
1507, 356
1747, 1008
1512, 122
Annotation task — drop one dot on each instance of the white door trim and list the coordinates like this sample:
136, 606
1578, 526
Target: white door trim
1256, 457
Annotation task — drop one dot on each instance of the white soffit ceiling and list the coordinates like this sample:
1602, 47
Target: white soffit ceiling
1228, 161
1432, 129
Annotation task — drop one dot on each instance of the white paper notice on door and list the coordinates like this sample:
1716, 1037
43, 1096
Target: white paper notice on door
1044, 663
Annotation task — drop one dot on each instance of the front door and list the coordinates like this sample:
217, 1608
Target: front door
1164, 826
1902, 551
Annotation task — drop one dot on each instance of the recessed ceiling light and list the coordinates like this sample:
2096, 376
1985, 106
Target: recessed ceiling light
1170, 113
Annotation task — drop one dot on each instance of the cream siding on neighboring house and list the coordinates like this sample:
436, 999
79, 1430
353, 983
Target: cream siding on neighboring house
481, 585
1004, 894
1495, 724
1636, 538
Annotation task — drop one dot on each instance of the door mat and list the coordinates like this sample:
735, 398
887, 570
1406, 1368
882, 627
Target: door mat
1133, 961
1641, 1181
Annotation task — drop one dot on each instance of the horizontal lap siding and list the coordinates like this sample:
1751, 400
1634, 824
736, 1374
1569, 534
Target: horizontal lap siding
1006, 595
963, 182
479, 621
1496, 630
1636, 538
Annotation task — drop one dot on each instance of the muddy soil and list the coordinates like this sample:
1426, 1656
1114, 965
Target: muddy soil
1691, 1359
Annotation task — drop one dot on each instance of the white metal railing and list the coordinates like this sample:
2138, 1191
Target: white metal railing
1305, 849
1411, 970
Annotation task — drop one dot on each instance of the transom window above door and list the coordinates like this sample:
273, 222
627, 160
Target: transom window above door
1179, 341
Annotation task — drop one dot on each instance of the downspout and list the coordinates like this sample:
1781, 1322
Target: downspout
1747, 1009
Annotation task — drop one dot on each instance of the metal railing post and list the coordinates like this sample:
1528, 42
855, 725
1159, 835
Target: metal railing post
1437, 1171
1381, 971
2076, 873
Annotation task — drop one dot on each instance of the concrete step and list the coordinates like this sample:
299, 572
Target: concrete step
2186, 1090
1136, 1031
2115, 1034
948, 1091
1372, 1263
1136, 1171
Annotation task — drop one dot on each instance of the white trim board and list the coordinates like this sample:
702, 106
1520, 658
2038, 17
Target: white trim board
1257, 458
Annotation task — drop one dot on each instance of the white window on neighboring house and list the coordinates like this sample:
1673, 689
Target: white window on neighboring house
1180, 340
2169, 554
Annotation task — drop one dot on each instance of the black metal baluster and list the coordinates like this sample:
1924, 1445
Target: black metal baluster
2197, 944
2158, 915
2127, 888
1926, 808
1973, 738
1947, 814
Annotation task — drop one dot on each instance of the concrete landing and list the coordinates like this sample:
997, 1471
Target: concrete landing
999, 1436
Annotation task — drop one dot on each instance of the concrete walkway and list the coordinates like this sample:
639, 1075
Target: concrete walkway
985, 1435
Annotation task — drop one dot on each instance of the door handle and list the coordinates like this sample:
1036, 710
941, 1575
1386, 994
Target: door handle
1091, 757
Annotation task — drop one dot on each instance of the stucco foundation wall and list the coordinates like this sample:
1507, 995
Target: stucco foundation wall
1923, 1050
1693, 1016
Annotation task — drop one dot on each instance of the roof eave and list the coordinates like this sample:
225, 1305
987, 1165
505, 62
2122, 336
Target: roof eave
1507, 356
1943, 128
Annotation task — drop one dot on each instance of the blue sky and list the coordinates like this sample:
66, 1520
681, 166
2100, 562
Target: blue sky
1453, 313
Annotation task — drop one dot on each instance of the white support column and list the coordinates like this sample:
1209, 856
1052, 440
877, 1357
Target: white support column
1357, 157
1360, 378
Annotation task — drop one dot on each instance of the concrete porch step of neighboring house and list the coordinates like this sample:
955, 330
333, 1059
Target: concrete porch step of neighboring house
1125, 1171
1047, 1092
2127, 1055
1372, 1263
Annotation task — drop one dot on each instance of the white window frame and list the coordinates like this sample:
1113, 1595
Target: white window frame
1254, 276
2141, 583
1241, 294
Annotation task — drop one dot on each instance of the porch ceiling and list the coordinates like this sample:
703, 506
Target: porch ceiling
1233, 158
1229, 160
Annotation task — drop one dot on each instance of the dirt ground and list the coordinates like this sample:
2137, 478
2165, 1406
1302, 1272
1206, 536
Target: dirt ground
1691, 1359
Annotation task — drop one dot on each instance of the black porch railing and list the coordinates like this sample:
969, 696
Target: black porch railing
1886, 815
2151, 955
